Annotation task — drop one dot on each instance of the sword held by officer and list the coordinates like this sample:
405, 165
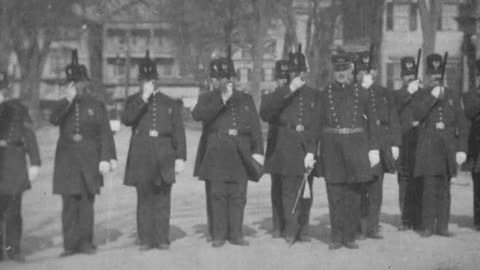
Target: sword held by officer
301, 191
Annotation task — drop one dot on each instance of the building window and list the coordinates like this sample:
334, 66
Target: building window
59, 58
401, 16
447, 19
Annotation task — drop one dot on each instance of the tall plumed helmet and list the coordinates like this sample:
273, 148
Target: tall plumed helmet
407, 66
147, 70
434, 64
282, 69
296, 60
226, 68
362, 59
214, 69
73, 70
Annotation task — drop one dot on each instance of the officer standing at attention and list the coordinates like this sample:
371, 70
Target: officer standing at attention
157, 152
231, 125
409, 187
214, 69
442, 143
17, 143
349, 149
292, 144
387, 125
471, 100
85, 153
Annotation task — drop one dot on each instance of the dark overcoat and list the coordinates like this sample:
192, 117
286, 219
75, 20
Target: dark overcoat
151, 156
436, 147
287, 145
18, 144
227, 129
76, 161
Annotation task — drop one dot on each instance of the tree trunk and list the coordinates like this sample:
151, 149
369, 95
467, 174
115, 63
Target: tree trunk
290, 23
430, 15
4, 36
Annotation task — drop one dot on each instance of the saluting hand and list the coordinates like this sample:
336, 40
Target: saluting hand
147, 91
309, 161
437, 91
367, 81
296, 84
2, 98
413, 86
71, 92
227, 92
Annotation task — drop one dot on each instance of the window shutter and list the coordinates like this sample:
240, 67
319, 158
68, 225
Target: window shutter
413, 16
389, 8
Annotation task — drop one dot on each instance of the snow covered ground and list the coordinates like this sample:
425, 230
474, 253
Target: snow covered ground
115, 229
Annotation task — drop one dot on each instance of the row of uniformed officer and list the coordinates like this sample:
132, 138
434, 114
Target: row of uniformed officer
231, 129
85, 153
157, 152
19, 164
291, 147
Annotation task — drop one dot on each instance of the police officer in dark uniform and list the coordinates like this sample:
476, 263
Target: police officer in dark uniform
157, 152
85, 153
292, 144
214, 84
388, 131
349, 149
442, 143
409, 187
17, 141
231, 125
471, 101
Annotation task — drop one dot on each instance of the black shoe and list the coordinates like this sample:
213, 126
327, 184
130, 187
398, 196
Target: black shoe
146, 247
218, 243
375, 235
88, 249
445, 234
351, 245
334, 245
304, 238
67, 252
163, 246
239, 242
276, 234
426, 233
17, 257
290, 240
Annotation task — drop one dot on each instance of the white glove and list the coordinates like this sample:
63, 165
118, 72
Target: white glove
227, 92
104, 167
395, 152
179, 165
309, 161
367, 81
113, 164
296, 83
148, 89
460, 157
33, 172
436, 91
259, 158
413, 86
374, 157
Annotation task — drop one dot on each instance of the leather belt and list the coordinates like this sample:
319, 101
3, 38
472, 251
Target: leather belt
297, 128
231, 132
152, 134
344, 131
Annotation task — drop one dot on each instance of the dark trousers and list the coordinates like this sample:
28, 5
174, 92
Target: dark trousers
153, 213
476, 198
11, 223
77, 221
344, 204
228, 205
436, 203
371, 203
282, 206
208, 197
